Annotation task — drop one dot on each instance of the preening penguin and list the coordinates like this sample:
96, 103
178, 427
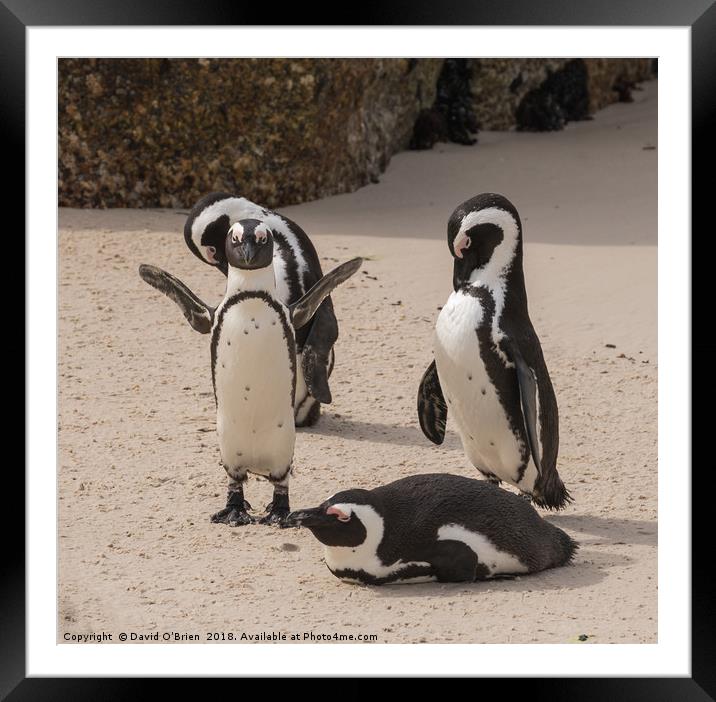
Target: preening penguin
297, 268
433, 527
253, 362
489, 369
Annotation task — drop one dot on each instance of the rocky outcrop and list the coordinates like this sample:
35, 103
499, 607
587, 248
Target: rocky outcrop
499, 86
606, 75
163, 132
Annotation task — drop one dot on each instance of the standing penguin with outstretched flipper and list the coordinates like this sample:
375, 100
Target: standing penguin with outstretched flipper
489, 372
253, 362
297, 269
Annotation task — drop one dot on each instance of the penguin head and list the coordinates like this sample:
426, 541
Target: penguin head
249, 245
208, 244
346, 519
485, 232
206, 226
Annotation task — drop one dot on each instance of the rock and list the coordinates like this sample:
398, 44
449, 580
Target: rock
499, 86
430, 127
163, 132
606, 75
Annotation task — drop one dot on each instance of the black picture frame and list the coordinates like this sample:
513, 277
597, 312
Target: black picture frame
700, 15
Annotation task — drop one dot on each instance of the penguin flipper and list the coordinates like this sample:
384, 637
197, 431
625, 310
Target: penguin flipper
432, 408
528, 398
455, 562
199, 315
303, 310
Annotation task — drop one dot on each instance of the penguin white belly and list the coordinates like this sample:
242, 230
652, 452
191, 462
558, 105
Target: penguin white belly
254, 382
481, 420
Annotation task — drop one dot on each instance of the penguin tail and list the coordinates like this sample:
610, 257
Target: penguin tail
550, 492
568, 548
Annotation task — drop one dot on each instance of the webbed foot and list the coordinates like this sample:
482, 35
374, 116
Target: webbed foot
236, 511
277, 510
233, 516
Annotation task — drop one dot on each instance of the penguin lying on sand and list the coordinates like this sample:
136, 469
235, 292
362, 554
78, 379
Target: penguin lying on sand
433, 527
253, 362
488, 368
297, 269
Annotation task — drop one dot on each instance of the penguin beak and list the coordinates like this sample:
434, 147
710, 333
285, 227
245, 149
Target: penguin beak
249, 249
308, 518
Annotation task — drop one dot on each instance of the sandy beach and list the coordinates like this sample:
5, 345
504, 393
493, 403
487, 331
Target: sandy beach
139, 471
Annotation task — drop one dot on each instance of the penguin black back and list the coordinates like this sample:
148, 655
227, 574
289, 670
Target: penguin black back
415, 505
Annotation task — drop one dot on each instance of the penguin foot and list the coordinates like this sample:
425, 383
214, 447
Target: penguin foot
274, 518
236, 511
277, 510
233, 516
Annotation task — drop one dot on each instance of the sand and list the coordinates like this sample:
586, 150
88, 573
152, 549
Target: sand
138, 457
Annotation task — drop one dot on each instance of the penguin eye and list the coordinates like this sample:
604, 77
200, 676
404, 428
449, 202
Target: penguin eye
341, 516
261, 236
460, 244
236, 235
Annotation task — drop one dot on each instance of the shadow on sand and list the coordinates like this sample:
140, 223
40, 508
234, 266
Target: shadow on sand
607, 530
589, 568
347, 428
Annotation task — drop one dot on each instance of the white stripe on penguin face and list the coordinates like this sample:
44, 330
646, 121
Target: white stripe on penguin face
237, 232
365, 556
492, 274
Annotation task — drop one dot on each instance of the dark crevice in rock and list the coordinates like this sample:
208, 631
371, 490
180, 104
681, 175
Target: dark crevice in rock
452, 117
562, 97
623, 86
